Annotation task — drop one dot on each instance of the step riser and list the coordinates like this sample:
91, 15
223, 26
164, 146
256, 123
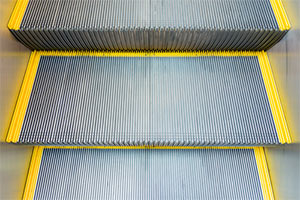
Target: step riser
148, 40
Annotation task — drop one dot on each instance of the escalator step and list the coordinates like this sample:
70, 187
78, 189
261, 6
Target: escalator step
158, 99
148, 174
149, 24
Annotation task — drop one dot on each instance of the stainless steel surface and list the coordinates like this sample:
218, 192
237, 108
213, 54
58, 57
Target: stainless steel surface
177, 101
149, 24
148, 174
284, 162
14, 160
98, 14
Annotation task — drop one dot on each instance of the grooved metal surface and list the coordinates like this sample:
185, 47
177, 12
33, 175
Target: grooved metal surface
97, 14
149, 24
209, 100
148, 174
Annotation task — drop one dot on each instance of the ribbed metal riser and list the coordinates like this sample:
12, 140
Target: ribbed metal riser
149, 24
209, 100
148, 39
148, 174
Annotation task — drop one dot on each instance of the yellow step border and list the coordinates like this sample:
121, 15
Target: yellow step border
263, 172
21, 5
23, 99
33, 172
280, 15
148, 147
148, 53
17, 14
274, 100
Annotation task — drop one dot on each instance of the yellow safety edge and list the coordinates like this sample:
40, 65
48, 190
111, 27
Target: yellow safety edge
280, 15
17, 14
23, 98
263, 172
33, 173
148, 53
147, 147
276, 108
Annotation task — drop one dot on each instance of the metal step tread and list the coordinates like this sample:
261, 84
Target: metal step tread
148, 99
148, 174
149, 24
